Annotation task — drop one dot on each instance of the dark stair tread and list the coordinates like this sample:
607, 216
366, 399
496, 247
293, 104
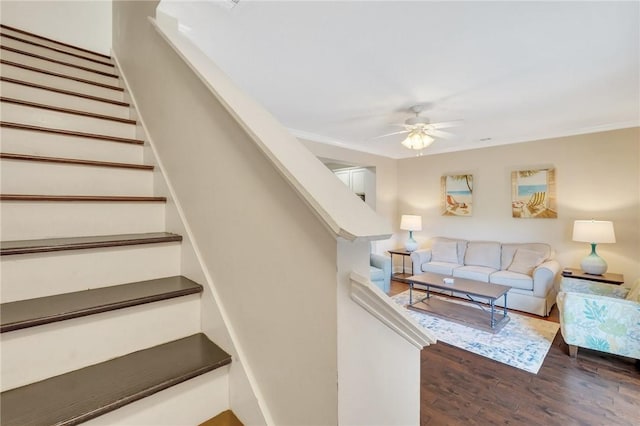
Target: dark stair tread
79, 243
64, 92
54, 49
66, 110
21, 126
57, 61
45, 310
85, 198
76, 161
56, 74
17, 30
87, 393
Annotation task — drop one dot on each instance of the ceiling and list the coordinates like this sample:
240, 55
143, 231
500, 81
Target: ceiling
346, 72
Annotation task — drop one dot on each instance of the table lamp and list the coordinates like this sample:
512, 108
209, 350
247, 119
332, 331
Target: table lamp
411, 223
594, 232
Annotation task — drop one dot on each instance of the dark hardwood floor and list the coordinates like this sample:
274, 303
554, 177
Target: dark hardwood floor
462, 388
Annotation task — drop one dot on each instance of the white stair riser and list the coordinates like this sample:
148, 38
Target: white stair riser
60, 82
53, 145
52, 44
59, 68
59, 56
40, 178
23, 220
189, 403
44, 274
35, 353
47, 97
41, 117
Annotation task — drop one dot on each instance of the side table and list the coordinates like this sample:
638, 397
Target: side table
608, 278
401, 276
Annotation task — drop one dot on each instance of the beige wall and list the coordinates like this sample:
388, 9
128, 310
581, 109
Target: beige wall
82, 23
386, 185
271, 261
597, 177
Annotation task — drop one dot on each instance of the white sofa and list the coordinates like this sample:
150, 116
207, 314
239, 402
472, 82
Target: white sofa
528, 268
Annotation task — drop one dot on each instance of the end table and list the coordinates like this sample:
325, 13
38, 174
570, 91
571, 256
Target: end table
401, 276
608, 278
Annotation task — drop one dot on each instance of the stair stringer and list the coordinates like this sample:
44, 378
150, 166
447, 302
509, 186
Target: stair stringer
214, 322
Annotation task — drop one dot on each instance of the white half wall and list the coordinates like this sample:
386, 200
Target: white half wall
271, 262
84, 23
378, 369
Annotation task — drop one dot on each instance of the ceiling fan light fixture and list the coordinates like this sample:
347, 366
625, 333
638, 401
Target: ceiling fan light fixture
417, 139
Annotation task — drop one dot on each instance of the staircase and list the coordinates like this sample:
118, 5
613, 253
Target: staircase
97, 324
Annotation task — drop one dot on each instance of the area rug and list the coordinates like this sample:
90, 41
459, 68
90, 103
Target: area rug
522, 343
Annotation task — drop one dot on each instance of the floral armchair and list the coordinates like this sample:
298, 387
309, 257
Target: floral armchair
599, 316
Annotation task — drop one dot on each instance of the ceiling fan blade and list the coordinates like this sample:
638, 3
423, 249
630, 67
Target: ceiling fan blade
439, 134
446, 124
391, 134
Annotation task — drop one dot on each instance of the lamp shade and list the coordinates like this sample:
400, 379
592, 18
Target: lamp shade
417, 139
411, 222
593, 231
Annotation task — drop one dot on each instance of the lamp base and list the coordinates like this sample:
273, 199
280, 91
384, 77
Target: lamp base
593, 264
411, 245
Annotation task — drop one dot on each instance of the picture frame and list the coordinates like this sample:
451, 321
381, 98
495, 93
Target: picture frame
533, 194
457, 195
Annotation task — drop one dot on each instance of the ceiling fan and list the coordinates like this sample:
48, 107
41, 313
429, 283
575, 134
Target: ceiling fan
421, 132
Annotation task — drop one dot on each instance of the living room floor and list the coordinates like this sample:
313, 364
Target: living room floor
459, 387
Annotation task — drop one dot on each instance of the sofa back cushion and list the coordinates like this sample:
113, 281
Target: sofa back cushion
444, 251
483, 253
448, 250
509, 250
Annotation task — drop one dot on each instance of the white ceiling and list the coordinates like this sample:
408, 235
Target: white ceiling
345, 72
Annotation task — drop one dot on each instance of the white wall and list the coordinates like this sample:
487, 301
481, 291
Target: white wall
86, 24
597, 177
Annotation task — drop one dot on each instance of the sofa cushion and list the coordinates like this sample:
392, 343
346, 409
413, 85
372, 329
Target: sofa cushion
483, 253
525, 261
509, 250
634, 294
444, 251
478, 273
512, 279
444, 268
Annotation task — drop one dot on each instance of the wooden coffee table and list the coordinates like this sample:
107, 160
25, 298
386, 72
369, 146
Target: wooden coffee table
467, 315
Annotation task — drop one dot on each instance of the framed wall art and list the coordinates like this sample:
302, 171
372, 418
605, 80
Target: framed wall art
533, 194
457, 195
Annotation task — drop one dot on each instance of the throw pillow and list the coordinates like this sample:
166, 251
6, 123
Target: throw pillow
525, 261
634, 294
444, 251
